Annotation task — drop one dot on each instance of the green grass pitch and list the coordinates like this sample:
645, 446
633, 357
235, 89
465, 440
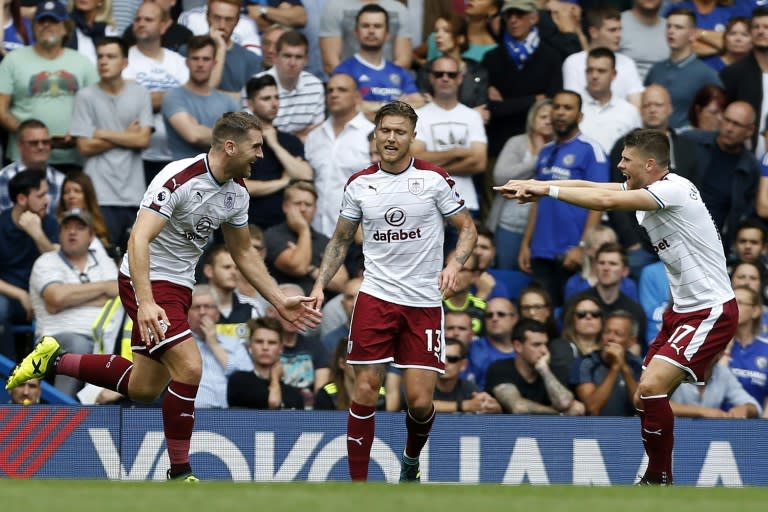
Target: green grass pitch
105, 496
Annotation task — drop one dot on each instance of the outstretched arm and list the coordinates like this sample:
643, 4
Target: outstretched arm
595, 196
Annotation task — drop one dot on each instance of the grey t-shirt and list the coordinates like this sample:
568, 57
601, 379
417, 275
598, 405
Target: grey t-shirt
338, 20
117, 174
643, 44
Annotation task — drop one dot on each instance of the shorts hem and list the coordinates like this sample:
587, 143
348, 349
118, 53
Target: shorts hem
420, 367
375, 361
162, 345
692, 375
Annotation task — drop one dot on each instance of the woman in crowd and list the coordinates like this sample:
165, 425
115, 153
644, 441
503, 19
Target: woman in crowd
93, 20
517, 161
16, 30
751, 275
451, 40
77, 192
737, 44
706, 110
582, 325
336, 395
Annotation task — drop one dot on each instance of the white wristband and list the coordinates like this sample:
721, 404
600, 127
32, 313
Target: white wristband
554, 191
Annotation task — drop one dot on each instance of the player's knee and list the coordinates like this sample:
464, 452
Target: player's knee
420, 404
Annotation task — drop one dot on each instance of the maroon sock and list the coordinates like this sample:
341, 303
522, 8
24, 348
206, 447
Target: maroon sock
361, 425
418, 433
104, 370
178, 421
658, 432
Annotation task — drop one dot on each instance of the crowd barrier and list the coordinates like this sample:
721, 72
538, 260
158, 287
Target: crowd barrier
241, 445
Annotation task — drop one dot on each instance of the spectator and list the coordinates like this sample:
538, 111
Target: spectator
605, 31
337, 394
452, 136
606, 117
269, 39
751, 275
711, 18
655, 111
612, 266
582, 325
239, 63
551, 246
460, 298
221, 272
77, 192
535, 303
682, 73
283, 160
301, 93
748, 353
749, 242
304, 360
525, 384
500, 319
172, 35
112, 122
222, 355
159, 70
737, 44
706, 112
337, 314
41, 81
189, 111
643, 36
729, 172
487, 286
520, 71
337, 27
17, 30
378, 79
450, 38
27, 393
245, 32
721, 397
458, 325
289, 13
93, 21
606, 380
68, 288
517, 161
454, 394
294, 248
337, 149
743, 80
587, 278
26, 232
34, 145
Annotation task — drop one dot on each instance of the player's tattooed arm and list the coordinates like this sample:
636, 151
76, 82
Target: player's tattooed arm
463, 222
336, 250
512, 402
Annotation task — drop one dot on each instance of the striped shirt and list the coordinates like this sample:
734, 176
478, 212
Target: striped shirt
55, 181
300, 107
195, 205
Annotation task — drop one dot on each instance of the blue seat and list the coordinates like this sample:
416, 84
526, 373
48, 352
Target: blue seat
514, 280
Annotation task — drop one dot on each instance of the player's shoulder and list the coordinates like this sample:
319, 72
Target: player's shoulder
429, 167
181, 172
368, 171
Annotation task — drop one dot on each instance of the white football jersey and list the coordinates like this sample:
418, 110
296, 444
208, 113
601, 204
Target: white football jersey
684, 236
195, 204
402, 219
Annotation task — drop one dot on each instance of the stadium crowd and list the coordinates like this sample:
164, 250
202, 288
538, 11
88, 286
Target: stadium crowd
557, 305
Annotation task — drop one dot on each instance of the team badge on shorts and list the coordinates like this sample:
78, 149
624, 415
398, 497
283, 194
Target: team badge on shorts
416, 185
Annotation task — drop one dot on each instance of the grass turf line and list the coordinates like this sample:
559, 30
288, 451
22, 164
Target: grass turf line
99, 496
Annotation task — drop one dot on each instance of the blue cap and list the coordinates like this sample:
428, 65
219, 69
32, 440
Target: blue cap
51, 9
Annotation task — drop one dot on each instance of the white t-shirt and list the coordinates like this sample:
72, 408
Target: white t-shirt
246, 32
402, 219
627, 79
195, 204
163, 75
684, 236
608, 123
459, 127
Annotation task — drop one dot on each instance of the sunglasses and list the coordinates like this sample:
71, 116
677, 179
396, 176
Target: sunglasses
449, 74
593, 314
500, 314
453, 359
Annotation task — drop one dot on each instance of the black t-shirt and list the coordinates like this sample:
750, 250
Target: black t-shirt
504, 371
462, 391
246, 389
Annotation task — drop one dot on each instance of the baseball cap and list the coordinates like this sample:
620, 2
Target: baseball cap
51, 9
520, 5
78, 213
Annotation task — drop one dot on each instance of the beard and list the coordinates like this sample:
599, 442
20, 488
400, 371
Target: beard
371, 47
567, 130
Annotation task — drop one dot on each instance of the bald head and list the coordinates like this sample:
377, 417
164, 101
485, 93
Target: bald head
342, 96
737, 127
656, 107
